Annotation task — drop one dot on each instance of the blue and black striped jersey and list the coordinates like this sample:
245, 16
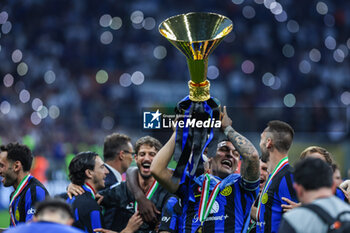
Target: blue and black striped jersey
171, 220
23, 207
230, 209
87, 213
271, 212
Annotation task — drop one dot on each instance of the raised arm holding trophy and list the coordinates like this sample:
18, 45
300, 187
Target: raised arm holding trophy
196, 35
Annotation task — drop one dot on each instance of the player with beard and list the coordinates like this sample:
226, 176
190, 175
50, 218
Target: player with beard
15, 163
220, 201
275, 142
123, 199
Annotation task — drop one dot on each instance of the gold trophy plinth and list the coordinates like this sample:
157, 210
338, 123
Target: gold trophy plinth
196, 35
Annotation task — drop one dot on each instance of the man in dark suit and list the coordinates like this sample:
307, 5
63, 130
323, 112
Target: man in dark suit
118, 154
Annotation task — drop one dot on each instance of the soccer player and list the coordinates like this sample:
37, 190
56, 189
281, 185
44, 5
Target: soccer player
123, 199
15, 164
52, 215
231, 195
275, 142
118, 154
88, 170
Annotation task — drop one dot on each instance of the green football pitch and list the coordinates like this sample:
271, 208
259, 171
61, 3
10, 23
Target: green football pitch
4, 219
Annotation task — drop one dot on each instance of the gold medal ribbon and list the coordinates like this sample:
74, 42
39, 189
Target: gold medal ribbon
206, 202
149, 193
18, 191
264, 196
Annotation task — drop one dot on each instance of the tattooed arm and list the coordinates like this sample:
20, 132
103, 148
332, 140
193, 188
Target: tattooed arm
250, 164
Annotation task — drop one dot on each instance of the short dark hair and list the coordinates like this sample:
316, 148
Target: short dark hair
113, 144
282, 134
19, 152
78, 165
53, 204
317, 149
148, 140
313, 174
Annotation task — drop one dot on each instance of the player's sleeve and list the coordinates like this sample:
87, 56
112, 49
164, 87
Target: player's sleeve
250, 185
95, 219
170, 216
33, 195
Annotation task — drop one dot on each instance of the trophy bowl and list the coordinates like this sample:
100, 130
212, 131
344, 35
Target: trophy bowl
196, 35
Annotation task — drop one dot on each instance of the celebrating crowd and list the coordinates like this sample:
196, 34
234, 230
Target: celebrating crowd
216, 199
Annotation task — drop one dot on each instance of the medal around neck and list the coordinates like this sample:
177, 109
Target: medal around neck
196, 35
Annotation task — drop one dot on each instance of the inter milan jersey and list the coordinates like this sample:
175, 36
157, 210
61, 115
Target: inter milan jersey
270, 213
24, 200
123, 200
171, 220
230, 209
87, 213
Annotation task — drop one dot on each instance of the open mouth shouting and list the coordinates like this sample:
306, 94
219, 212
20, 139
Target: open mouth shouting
227, 163
146, 167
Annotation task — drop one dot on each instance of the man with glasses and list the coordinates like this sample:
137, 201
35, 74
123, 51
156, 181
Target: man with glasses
123, 199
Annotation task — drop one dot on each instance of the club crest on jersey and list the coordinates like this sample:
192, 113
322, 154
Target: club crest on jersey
226, 191
17, 215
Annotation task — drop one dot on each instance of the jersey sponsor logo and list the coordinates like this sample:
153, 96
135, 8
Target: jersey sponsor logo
260, 224
211, 218
31, 211
130, 206
165, 219
227, 191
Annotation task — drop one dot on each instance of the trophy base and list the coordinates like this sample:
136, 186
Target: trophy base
199, 92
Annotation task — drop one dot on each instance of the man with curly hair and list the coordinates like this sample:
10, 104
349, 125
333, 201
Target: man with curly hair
15, 163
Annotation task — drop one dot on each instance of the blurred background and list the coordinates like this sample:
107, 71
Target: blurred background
72, 72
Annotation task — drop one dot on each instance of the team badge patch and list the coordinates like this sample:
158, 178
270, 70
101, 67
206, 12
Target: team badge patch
264, 198
227, 191
17, 215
